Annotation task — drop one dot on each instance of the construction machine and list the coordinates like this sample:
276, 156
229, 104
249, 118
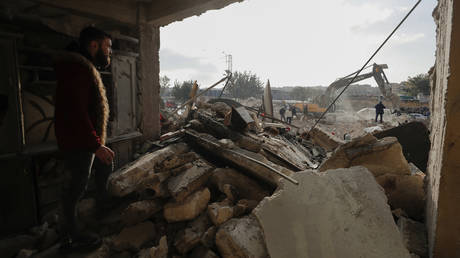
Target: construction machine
379, 75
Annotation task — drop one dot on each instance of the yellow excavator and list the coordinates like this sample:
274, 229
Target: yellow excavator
379, 75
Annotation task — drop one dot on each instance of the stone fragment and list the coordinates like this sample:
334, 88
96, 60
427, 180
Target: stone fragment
414, 236
132, 238
220, 212
101, 252
189, 208
337, 213
208, 238
379, 156
140, 211
190, 237
127, 179
190, 180
160, 251
203, 252
155, 182
405, 192
241, 238
86, 209
245, 187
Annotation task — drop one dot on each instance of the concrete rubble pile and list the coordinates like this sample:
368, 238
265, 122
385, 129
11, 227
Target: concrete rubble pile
226, 184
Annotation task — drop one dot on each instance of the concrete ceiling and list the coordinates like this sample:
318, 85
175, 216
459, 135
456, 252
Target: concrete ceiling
127, 12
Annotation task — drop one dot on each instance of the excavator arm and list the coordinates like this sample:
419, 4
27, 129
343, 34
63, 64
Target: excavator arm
377, 73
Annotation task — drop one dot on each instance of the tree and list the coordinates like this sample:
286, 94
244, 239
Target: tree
244, 85
164, 84
417, 84
181, 91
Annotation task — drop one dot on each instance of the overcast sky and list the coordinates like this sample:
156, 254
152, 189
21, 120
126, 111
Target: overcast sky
299, 42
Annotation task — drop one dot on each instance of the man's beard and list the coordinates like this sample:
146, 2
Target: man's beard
101, 60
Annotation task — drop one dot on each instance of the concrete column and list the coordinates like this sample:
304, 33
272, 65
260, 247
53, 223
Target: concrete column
149, 44
443, 191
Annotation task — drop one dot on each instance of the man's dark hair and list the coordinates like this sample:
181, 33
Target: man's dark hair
89, 34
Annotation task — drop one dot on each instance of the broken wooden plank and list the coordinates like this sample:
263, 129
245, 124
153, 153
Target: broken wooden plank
254, 163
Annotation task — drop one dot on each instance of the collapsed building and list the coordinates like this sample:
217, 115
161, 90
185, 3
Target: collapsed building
223, 183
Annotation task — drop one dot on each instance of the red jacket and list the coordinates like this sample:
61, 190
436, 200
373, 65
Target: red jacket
80, 111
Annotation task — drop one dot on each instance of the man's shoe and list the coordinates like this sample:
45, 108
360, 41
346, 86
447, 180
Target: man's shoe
80, 243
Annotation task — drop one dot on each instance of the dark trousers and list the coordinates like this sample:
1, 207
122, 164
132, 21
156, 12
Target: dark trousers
381, 117
289, 120
78, 166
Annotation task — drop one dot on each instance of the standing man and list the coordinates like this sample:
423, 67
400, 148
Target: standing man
379, 109
81, 117
289, 115
282, 112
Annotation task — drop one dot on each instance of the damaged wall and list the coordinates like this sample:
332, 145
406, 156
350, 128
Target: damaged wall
443, 181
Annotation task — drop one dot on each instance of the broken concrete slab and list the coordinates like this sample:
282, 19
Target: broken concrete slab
405, 192
381, 157
140, 211
337, 213
190, 237
241, 237
241, 120
190, 180
189, 208
127, 179
327, 141
414, 236
132, 238
245, 187
414, 138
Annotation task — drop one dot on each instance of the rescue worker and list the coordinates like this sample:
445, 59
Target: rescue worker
379, 110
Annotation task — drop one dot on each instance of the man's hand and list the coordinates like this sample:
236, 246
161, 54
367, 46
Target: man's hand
105, 154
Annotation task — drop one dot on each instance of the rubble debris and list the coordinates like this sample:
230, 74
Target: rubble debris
190, 237
203, 252
381, 157
160, 251
140, 211
241, 237
414, 236
132, 238
11, 246
208, 238
405, 192
344, 214
189, 208
220, 212
222, 109
414, 138
128, 178
245, 187
241, 120
321, 138
221, 131
190, 180
26, 253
